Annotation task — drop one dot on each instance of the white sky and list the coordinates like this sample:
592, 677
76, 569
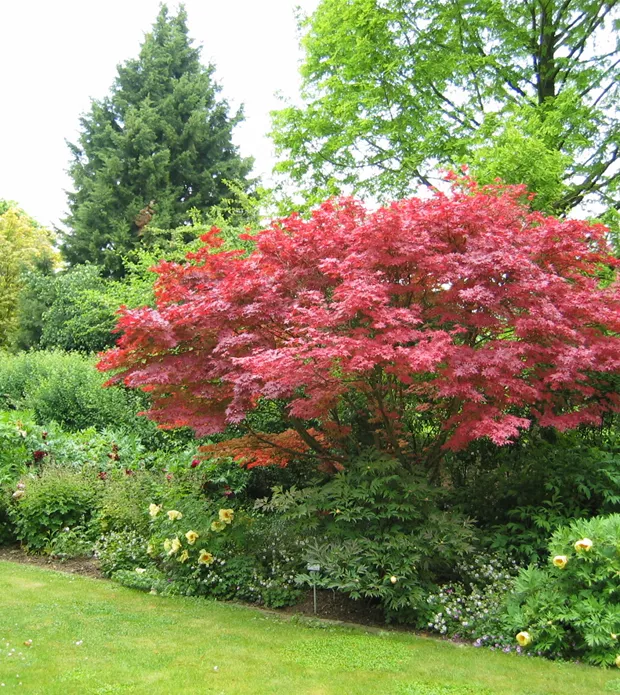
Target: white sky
55, 55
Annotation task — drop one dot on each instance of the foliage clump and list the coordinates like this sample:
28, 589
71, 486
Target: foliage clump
571, 607
416, 329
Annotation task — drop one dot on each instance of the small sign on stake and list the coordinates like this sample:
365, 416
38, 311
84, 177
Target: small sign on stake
314, 569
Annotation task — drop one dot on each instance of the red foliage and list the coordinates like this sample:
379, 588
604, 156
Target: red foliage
466, 312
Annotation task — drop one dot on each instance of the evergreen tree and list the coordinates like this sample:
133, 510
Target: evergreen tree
159, 145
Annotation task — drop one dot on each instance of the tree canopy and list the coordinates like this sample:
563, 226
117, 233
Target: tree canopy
24, 245
422, 326
157, 147
394, 89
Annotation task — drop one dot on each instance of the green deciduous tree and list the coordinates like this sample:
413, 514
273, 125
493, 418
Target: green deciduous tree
156, 147
395, 89
23, 244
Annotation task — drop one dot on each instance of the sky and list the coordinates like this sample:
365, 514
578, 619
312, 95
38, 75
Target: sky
57, 55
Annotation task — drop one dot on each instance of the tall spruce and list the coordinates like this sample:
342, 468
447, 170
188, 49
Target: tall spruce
159, 145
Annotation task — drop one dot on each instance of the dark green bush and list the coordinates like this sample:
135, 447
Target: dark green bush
521, 493
378, 532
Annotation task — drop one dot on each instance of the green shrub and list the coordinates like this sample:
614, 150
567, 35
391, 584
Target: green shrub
571, 607
19, 440
124, 500
121, 550
206, 549
519, 494
73, 542
381, 534
7, 530
58, 498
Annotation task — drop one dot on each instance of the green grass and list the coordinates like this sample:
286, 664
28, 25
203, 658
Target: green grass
91, 636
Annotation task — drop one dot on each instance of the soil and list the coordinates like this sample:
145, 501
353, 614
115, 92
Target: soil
334, 606
86, 566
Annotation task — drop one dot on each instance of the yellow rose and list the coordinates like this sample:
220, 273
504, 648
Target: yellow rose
560, 561
393, 579
583, 544
183, 556
218, 526
617, 661
524, 638
154, 509
167, 544
205, 557
226, 515
150, 549
173, 515
192, 537
175, 546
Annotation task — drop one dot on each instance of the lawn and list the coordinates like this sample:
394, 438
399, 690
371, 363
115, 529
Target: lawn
92, 636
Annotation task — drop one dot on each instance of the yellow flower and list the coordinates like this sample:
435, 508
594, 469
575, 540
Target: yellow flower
205, 557
192, 537
18, 494
560, 561
617, 661
583, 544
524, 638
226, 515
154, 509
183, 556
174, 515
150, 549
393, 579
175, 546
218, 525
167, 544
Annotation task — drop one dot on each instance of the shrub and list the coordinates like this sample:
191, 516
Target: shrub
66, 388
203, 548
381, 534
571, 607
124, 499
121, 550
522, 493
59, 498
19, 440
73, 542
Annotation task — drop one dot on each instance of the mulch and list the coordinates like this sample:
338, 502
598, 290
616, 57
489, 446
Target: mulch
85, 566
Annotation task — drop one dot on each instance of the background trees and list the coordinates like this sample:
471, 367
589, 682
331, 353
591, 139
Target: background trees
24, 245
395, 88
156, 147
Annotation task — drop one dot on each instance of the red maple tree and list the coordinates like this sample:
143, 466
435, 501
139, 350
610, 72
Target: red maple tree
417, 328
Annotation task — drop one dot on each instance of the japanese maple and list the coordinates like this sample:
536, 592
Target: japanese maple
416, 328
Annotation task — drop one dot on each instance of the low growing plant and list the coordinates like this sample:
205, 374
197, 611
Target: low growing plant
474, 606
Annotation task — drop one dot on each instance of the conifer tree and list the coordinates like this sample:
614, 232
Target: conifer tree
157, 146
